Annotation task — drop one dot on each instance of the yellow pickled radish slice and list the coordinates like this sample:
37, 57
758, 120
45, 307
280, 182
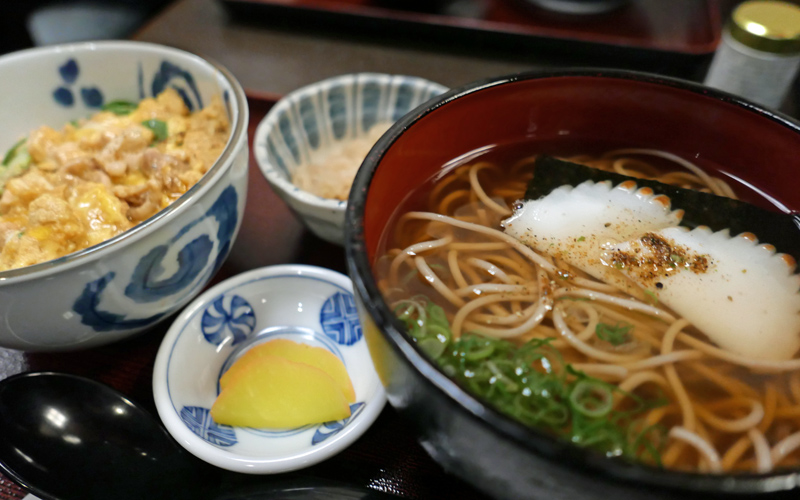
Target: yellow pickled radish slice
300, 353
277, 393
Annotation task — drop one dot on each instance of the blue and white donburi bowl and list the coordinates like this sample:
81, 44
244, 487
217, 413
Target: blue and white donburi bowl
321, 115
131, 282
302, 303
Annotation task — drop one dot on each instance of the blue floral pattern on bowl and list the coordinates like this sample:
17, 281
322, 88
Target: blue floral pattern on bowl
168, 75
228, 316
199, 420
339, 319
171, 75
147, 285
329, 429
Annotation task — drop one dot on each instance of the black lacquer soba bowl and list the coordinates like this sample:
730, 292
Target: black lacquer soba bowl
756, 147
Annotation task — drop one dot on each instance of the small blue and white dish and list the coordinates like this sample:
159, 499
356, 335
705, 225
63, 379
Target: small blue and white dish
322, 115
129, 283
306, 304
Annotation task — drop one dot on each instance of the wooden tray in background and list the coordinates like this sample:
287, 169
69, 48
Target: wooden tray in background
676, 27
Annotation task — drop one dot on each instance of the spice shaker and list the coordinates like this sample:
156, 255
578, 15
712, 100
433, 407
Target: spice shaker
759, 54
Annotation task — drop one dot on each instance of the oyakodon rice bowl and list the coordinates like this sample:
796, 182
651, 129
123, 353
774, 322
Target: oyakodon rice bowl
130, 281
535, 354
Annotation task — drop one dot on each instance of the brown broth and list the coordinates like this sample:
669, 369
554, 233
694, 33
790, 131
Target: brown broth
702, 391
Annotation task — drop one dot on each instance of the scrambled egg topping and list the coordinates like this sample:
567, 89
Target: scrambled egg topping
98, 177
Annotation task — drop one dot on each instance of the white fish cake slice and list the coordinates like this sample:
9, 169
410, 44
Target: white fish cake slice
577, 224
742, 295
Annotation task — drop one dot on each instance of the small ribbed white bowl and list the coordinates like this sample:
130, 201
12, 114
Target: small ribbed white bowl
321, 115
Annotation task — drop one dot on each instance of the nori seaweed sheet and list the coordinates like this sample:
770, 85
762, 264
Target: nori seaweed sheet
701, 209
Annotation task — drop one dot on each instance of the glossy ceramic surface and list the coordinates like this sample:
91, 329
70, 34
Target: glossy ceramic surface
305, 304
322, 115
59, 428
580, 7
134, 280
568, 111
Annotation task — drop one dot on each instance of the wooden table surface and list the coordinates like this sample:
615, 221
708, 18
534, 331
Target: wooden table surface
271, 58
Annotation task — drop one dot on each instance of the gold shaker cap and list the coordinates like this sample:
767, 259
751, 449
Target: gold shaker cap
767, 25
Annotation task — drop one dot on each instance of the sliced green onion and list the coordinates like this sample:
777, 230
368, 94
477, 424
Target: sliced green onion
591, 398
432, 347
652, 296
409, 276
479, 352
533, 384
574, 299
437, 314
15, 162
614, 334
158, 127
120, 107
11, 153
440, 332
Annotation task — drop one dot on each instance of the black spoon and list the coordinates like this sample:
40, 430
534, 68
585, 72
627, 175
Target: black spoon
65, 437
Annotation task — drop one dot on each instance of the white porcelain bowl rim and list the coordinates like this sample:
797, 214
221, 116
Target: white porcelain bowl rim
96, 252
248, 463
270, 121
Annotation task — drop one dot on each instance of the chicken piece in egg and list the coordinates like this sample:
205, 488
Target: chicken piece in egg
69, 189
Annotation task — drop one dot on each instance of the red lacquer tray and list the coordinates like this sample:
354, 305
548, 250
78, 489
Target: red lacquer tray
386, 458
683, 27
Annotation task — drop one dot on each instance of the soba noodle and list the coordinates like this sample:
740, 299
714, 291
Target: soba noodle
718, 411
